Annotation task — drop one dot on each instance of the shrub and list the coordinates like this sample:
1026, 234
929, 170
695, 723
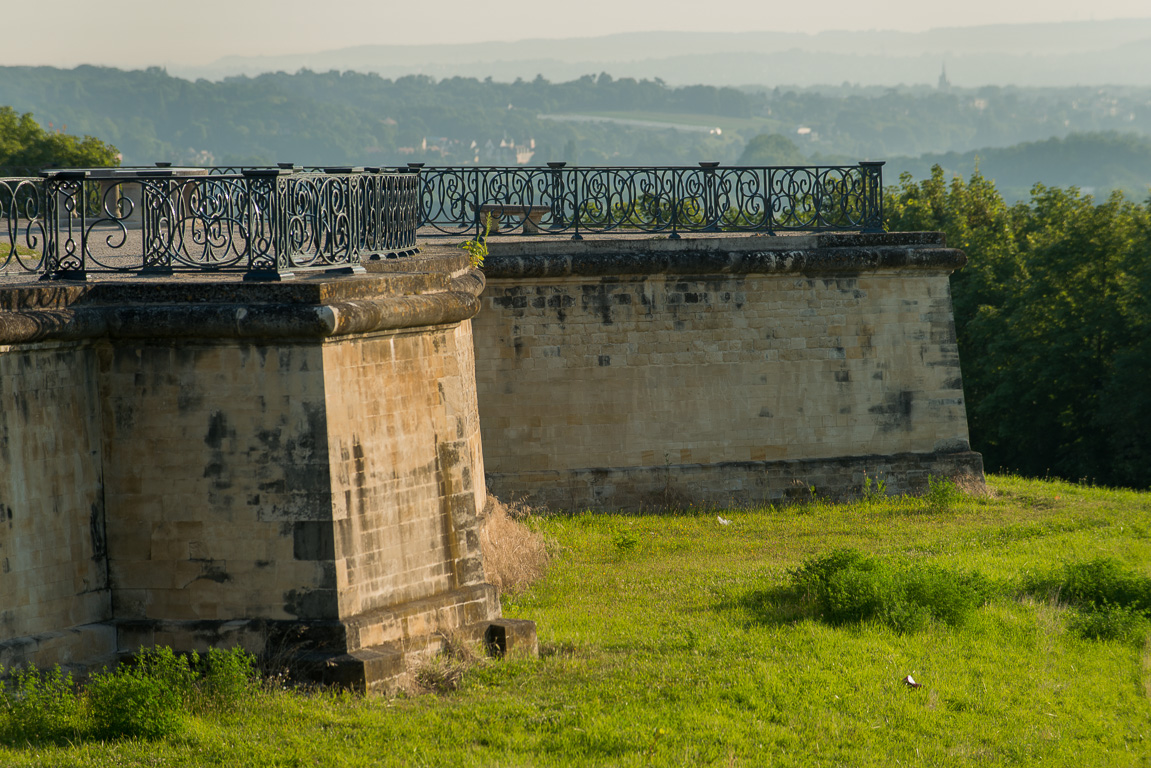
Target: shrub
1108, 600
1099, 582
228, 677
39, 706
942, 493
1110, 622
847, 586
146, 698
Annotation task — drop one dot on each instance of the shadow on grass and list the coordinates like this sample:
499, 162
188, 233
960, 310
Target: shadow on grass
771, 607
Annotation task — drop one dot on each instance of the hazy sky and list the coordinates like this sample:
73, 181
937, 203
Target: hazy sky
137, 33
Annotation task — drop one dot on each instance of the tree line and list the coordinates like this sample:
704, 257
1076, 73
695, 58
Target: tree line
1053, 318
317, 118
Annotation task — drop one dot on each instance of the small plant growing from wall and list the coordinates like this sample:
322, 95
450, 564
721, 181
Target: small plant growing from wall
478, 249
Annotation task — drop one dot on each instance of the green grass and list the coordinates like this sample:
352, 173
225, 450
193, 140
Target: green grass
675, 640
10, 252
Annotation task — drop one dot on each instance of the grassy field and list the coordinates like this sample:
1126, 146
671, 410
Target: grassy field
676, 640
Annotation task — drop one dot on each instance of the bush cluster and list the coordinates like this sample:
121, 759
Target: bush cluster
148, 697
1110, 602
846, 585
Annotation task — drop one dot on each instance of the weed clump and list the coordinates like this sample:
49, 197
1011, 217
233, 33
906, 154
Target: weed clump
515, 556
228, 678
942, 493
145, 699
847, 586
1109, 601
1102, 581
39, 706
444, 672
1110, 622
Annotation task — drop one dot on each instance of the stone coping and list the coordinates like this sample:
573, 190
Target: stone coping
823, 253
623, 242
436, 286
437, 289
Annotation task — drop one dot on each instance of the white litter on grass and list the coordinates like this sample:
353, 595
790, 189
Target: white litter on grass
722, 521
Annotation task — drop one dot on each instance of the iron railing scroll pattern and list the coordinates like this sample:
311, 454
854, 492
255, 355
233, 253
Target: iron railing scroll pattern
24, 208
267, 223
671, 200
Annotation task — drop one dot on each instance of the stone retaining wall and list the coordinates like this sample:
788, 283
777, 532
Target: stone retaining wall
633, 373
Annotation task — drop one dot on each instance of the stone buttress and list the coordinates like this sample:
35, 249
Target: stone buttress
293, 467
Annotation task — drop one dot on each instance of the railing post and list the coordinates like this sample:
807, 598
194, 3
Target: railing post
769, 200
160, 204
872, 173
557, 192
271, 185
577, 176
478, 201
63, 195
710, 201
415, 203
280, 197
423, 214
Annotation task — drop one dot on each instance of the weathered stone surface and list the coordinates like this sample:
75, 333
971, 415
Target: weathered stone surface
280, 466
305, 309
732, 484
53, 546
613, 372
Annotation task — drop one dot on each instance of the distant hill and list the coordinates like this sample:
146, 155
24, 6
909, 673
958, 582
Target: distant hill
1115, 52
1095, 162
364, 119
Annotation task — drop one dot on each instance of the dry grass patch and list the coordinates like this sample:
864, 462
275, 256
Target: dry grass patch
972, 485
515, 556
444, 672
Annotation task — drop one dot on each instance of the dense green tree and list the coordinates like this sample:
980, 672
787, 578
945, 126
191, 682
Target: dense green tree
24, 143
1052, 318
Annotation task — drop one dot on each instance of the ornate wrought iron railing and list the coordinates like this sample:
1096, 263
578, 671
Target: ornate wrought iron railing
460, 200
267, 223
